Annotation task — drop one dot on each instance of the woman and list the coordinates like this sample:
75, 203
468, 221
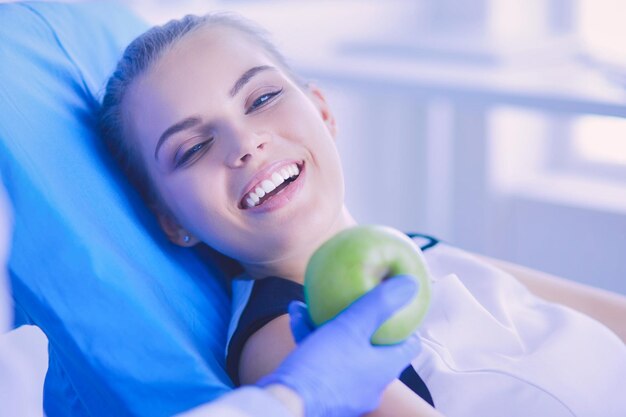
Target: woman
230, 149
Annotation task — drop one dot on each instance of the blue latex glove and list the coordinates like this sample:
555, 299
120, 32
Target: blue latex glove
335, 369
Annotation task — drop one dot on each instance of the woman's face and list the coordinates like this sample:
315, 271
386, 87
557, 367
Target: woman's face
216, 119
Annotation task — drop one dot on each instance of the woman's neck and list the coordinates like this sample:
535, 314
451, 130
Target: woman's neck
293, 267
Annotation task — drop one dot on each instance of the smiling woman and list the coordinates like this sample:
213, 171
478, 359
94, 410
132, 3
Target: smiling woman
139, 56
239, 155
204, 138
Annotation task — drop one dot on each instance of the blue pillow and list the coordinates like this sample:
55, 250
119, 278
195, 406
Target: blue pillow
135, 325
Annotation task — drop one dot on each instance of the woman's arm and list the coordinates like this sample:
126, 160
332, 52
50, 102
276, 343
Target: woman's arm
269, 346
606, 307
265, 350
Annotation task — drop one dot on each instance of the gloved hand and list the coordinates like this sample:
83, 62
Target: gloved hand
335, 369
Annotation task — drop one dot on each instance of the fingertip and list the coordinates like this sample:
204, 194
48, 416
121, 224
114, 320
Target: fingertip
296, 308
409, 282
299, 321
382, 302
399, 289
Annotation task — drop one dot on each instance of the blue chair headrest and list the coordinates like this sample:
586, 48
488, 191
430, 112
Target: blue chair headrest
136, 326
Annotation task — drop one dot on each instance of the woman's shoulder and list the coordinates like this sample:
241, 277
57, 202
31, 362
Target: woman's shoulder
258, 306
265, 349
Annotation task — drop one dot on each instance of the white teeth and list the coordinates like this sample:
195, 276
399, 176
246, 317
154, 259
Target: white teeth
269, 185
277, 179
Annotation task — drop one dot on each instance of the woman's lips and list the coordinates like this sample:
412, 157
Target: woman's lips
268, 180
283, 196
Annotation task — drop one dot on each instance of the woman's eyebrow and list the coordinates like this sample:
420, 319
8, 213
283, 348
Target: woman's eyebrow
184, 124
246, 76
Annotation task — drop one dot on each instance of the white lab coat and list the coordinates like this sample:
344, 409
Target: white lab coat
246, 401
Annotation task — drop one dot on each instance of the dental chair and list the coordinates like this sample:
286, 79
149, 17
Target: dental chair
135, 325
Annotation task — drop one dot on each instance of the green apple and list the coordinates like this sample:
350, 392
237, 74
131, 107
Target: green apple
356, 260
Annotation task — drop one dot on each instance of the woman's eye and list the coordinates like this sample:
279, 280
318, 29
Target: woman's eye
263, 100
191, 153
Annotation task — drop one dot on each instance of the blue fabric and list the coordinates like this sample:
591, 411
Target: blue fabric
136, 326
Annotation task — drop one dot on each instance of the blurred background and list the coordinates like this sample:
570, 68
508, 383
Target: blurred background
495, 125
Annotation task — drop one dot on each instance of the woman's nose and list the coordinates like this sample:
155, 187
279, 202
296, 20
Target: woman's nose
245, 147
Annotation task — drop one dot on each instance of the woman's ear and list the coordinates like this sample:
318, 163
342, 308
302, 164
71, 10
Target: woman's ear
320, 102
175, 233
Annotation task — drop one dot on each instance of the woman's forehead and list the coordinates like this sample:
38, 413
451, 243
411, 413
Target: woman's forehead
218, 46
210, 59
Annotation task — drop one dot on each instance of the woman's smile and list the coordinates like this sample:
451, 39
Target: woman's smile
281, 187
268, 181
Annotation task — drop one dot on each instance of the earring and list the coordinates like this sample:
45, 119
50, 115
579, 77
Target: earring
186, 238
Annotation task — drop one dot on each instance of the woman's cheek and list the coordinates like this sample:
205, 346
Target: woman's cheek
288, 115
